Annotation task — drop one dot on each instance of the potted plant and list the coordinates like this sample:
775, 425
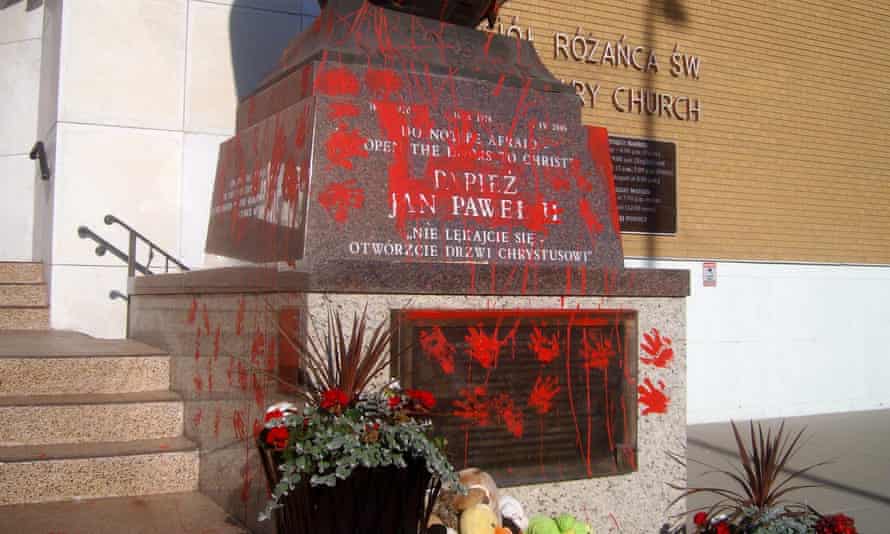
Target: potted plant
358, 455
757, 503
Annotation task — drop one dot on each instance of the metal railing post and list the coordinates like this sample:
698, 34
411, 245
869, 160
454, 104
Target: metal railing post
131, 263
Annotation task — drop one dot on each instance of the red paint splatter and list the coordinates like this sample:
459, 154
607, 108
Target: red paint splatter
511, 416
217, 419
438, 349
654, 400
343, 110
216, 343
545, 348
541, 398
658, 347
258, 347
596, 355
483, 348
193, 312
337, 82
257, 428
339, 198
206, 316
242, 376
199, 383
198, 344
259, 393
196, 419
344, 145
238, 425
247, 481
591, 221
473, 406
239, 317
383, 83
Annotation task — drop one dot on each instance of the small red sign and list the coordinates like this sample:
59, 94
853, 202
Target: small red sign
709, 274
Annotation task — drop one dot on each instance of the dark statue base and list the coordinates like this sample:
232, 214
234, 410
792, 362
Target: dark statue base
389, 139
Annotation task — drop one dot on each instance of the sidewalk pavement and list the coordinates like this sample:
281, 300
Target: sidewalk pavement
856, 482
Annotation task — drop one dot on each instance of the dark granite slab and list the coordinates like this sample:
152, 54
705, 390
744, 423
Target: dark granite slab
376, 156
407, 279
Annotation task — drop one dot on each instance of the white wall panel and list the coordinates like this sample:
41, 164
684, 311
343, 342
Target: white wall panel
777, 340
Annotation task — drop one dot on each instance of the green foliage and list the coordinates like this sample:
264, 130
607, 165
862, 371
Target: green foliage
761, 480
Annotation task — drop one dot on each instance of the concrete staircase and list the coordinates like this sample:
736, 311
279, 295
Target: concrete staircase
89, 426
23, 298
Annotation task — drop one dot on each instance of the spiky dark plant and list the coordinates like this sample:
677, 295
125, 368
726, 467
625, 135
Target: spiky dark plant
340, 362
761, 479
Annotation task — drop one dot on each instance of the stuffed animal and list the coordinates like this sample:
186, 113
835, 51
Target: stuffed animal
564, 524
481, 489
512, 515
478, 519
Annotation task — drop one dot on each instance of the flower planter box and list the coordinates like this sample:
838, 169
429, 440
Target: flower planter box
387, 500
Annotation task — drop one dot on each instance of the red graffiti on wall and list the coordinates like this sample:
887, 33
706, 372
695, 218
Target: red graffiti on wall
239, 317
337, 82
193, 312
437, 348
653, 400
343, 110
339, 198
507, 412
482, 347
383, 83
473, 407
595, 353
658, 348
238, 425
545, 348
541, 398
344, 145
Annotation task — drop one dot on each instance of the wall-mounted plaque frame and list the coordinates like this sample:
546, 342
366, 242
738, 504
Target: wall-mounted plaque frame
528, 395
645, 173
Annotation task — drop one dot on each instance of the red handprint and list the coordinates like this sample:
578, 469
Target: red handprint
484, 348
509, 414
474, 407
436, 347
546, 348
654, 400
596, 355
542, 395
659, 348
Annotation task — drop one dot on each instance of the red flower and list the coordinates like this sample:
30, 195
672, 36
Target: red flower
277, 437
395, 401
422, 397
334, 398
700, 519
836, 524
722, 528
273, 414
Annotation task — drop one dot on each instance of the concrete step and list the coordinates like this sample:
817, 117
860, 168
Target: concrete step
19, 272
24, 318
60, 362
30, 474
52, 419
23, 295
179, 513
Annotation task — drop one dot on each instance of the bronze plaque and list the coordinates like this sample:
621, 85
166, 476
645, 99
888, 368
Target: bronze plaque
529, 396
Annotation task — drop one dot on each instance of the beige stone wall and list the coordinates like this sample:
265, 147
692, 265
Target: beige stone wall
789, 161
217, 369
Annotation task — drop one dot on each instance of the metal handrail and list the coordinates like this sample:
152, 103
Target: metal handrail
115, 294
39, 153
152, 248
104, 246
